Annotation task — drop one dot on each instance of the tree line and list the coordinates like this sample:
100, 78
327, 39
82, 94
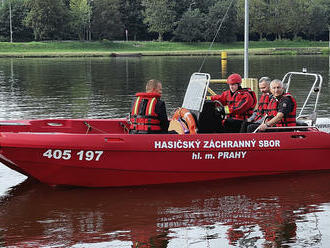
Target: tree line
177, 20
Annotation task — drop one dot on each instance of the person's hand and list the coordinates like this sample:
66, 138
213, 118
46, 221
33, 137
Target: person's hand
262, 127
251, 118
220, 109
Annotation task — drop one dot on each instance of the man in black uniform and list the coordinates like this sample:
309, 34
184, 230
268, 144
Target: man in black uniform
281, 109
148, 113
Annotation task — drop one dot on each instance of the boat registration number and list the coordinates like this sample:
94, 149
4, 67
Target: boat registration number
68, 154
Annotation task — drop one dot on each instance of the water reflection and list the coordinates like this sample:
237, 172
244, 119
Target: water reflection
269, 212
103, 87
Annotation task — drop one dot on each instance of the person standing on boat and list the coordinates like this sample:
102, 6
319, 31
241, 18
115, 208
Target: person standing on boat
238, 103
281, 108
254, 121
148, 114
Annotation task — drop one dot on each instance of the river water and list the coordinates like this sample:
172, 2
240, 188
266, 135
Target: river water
275, 211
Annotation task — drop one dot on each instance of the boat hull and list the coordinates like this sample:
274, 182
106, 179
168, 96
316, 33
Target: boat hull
71, 156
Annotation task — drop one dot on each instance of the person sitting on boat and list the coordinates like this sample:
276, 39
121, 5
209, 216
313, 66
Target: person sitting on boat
238, 103
148, 114
260, 113
281, 109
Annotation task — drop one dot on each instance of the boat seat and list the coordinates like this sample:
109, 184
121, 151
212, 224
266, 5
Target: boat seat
301, 123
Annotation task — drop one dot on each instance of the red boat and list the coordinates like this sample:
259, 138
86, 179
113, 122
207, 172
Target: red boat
101, 153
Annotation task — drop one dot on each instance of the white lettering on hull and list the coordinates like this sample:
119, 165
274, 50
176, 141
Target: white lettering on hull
177, 144
215, 144
216, 147
232, 155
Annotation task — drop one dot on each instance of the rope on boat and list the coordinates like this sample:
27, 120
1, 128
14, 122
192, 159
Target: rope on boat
90, 127
216, 34
126, 129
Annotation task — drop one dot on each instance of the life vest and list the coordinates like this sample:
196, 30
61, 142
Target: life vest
182, 114
288, 120
143, 116
254, 98
234, 101
263, 105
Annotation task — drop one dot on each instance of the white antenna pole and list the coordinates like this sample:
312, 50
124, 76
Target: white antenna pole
246, 40
10, 24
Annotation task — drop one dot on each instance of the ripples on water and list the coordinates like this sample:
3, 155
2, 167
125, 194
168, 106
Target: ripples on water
280, 211
104, 87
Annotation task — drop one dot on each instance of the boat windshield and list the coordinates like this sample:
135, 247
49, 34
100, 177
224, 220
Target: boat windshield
196, 92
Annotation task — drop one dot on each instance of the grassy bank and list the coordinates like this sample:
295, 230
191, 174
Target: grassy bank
107, 48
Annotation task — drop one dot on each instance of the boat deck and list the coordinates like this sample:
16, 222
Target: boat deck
72, 126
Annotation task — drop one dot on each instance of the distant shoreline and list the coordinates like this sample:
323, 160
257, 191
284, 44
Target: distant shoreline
149, 48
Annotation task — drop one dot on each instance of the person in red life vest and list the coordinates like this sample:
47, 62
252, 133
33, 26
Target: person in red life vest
281, 108
148, 114
238, 103
254, 121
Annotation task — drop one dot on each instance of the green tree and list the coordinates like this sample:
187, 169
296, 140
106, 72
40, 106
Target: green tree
217, 14
320, 18
106, 20
47, 18
132, 18
203, 5
159, 15
80, 15
18, 12
240, 8
258, 17
297, 16
278, 17
190, 27
181, 6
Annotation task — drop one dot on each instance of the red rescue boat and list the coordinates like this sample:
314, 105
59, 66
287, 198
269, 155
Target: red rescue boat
101, 153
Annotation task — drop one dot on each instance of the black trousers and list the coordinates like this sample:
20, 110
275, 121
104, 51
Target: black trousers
232, 126
249, 127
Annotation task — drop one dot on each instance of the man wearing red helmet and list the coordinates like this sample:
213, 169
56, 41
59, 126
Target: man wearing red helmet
238, 103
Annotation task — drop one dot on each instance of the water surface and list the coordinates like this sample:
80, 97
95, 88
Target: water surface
278, 211
104, 87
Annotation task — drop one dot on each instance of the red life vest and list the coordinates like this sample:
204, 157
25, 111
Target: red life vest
254, 99
234, 102
143, 116
288, 120
262, 106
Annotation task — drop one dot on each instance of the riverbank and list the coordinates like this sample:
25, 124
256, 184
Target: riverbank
146, 48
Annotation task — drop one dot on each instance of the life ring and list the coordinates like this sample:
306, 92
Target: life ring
187, 117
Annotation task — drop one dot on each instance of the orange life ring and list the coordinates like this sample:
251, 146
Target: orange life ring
187, 117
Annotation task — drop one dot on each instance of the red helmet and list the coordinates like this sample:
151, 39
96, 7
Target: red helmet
234, 79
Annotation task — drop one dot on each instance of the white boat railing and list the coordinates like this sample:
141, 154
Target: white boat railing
12, 124
316, 88
293, 128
